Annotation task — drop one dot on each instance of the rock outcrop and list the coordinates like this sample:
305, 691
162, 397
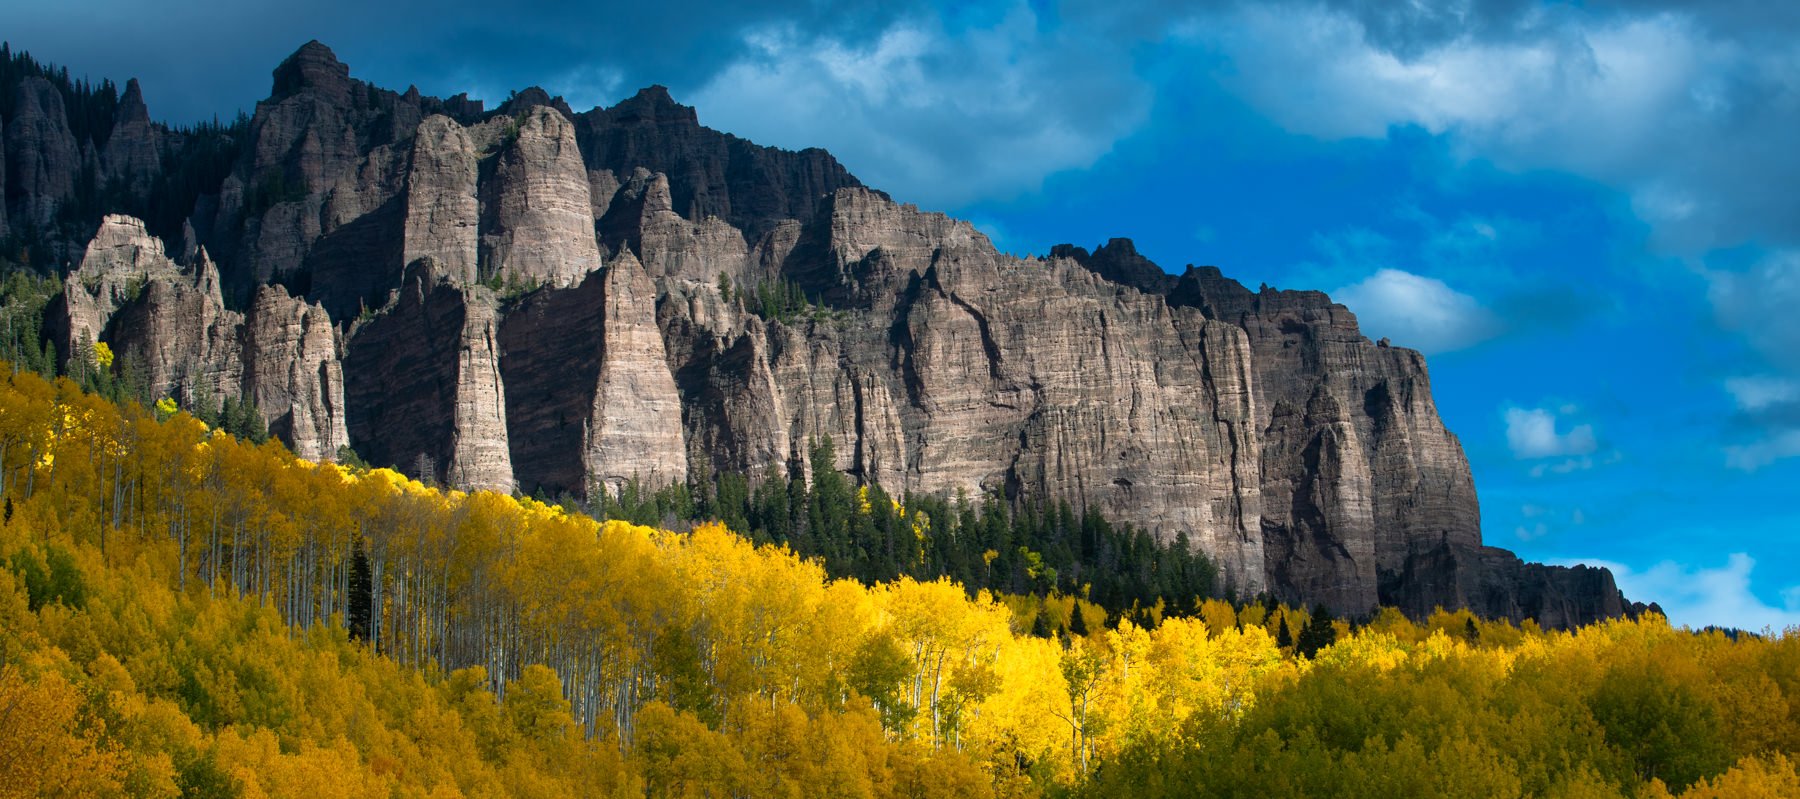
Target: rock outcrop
43, 160
538, 226
293, 373
132, 155
169, 325
591, 399
363, 232
441, 207
711, 174
120, 261
183, 340
315, 198
423, 384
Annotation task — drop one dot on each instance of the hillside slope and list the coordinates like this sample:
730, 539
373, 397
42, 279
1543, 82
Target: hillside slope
185, 614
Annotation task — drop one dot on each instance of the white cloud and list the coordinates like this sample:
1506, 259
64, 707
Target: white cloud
1697, 597
1538, 521
1695, 128
1417, 311
936, 117
1773, 447
1580, 464
1531, 433
1759, 303
1759, 392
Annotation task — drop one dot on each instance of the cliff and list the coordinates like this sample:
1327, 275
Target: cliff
538, 300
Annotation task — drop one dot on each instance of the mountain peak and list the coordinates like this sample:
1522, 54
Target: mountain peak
655, 94
652, 103
131, 104
1118, 261
312, 67
533, 96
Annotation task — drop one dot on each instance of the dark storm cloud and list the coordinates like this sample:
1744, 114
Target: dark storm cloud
1410, 28
198, 58
938, 111
1760, 302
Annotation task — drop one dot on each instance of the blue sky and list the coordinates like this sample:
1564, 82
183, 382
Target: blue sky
1584, 213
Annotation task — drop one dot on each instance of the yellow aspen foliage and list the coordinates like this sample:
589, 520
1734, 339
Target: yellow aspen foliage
49, 745
1219, 616
1254, 615
680, 757
185, 614
536, 707
1772, 776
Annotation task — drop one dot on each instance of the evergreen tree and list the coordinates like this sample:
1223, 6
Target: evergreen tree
361, 593
771, 513
800, 534
831, 506
860, 532
1078, 622
204, 405
1320, 632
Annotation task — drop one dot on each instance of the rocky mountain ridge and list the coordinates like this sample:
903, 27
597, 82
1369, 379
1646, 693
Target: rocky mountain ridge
535, 299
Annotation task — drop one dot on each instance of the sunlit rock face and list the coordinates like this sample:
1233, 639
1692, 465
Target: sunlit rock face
543, 301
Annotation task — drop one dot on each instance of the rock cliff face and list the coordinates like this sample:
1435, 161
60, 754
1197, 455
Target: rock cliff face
424, 387
711, 174
42, 157
592, 401
539, 222
292, 370
624, 342
441, 207
169, 321
133, 152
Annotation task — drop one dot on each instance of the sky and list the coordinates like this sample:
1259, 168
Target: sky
1584, 214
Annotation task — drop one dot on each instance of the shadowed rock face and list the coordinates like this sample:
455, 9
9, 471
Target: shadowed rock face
591, 398
43, 161
710, 174
133, 152
629, 243
423, 386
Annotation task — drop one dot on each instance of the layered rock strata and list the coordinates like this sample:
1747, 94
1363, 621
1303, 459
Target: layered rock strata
545, 301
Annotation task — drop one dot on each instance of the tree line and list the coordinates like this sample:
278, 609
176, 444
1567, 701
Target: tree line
1039, 548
